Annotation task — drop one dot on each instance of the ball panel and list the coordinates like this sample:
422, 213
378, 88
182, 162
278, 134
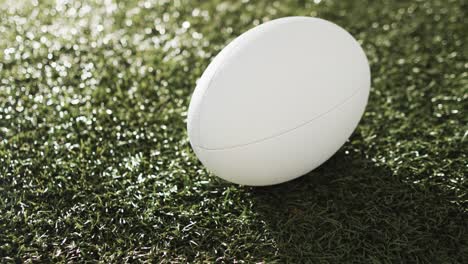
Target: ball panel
289, 155
279, 76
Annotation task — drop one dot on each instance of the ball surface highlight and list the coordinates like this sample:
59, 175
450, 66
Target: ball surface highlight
278, 101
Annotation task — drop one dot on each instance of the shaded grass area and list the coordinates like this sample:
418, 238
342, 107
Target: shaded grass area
95, 162
362, 215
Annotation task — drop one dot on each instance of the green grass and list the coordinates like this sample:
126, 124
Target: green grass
95, 163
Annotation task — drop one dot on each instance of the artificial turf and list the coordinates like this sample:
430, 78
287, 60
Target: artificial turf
95, 164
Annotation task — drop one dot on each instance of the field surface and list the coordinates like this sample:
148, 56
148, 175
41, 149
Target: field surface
95, 163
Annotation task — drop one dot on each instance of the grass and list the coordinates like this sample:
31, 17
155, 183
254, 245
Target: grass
96, 166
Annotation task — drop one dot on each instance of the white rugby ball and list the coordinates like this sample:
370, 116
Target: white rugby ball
278, 101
